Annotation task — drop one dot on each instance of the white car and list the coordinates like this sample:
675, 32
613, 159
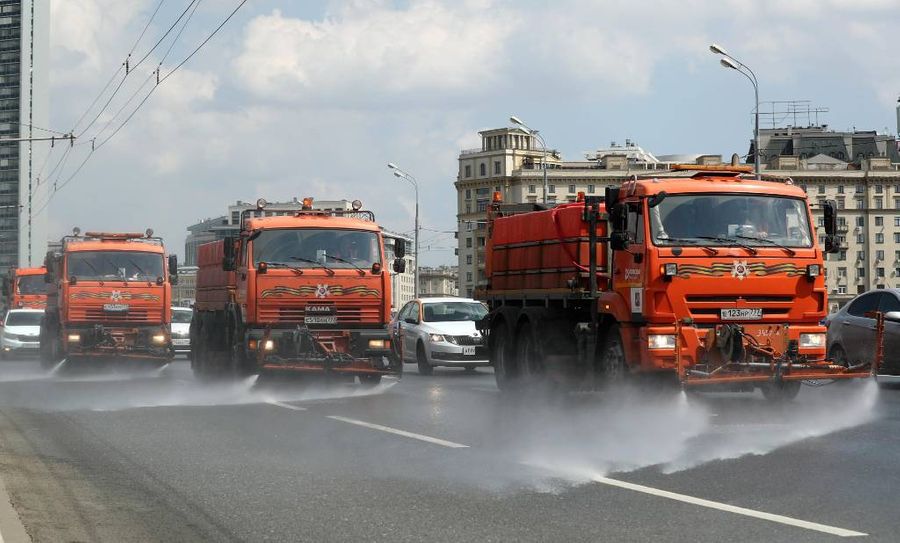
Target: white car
21, 330
440, 332
181, 329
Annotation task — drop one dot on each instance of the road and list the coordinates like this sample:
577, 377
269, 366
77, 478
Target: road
160, 457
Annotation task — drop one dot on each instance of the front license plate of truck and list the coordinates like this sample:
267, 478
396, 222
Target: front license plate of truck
469, 351
320, 314
744, 314
115, 308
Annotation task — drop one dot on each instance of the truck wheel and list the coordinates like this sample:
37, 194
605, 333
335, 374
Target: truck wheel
505, 370
528, 358
780, 391
369, 381
422, 360
613, 367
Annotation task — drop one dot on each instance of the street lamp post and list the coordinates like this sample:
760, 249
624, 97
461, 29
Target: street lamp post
412, 180
728, 61
517, 121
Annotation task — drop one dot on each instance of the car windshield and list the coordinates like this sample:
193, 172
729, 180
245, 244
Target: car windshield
751, 219
316, 247
32, 284
182, 316
453, 311
24, 318
110, 265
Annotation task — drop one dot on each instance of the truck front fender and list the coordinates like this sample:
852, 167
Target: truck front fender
614, 305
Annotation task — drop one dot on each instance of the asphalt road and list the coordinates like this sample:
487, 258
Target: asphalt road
160, 457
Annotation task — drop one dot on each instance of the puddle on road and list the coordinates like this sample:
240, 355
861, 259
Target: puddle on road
61, 389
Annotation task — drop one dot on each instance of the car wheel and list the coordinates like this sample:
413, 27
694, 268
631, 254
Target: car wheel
838, 355
422, 360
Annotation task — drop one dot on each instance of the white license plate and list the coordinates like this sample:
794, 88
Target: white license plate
180, 341
320, 319
469, 351
745, 314
115, 308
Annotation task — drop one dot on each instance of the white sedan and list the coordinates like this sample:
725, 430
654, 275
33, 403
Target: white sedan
440, 332
21, 329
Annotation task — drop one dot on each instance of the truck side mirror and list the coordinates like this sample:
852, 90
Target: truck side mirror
173, 269
228, 260
399, 248
829, 212
611, 196
399, 265
618, 220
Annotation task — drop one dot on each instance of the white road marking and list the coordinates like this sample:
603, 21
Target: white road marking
286, 405
404, 433
824, 528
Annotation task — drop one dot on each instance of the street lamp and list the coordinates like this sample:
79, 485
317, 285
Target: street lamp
412, 180
728, 61
517, 121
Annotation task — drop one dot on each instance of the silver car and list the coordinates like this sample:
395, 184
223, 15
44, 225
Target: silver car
181, 325
851, 334
440, 332
21, 329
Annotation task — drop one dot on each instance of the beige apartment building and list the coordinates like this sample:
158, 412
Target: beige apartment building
439, 281
859, 170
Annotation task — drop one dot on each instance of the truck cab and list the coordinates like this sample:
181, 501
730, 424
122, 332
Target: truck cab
26, 288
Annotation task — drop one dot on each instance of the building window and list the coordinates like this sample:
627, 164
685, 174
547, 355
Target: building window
860, 221
482, 169
879, 272
879, 189
879, 237
879, 255
468, 243
532, 189
840, 189
496, 167
859, 203
469, 259
879, 221
840, 203
896, 237
879, 202
842, 272
896, 203
235, 217
469, 276
551, 189
842, 289
842, 255
497, 188
860, 238
571, 189
468, 207
860, 189
468, 194
860, 272
821, 189
480, 241
468, 171
591, 189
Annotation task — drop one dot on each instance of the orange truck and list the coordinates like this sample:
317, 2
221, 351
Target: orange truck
109, 300
703, 276
306, 292
25, 288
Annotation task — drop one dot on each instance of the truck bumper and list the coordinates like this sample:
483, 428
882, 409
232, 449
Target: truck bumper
348, 352
151, 343
756, 354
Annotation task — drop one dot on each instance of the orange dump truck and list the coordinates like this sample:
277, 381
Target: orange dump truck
25, 288
705, 275
109, 299
304, 293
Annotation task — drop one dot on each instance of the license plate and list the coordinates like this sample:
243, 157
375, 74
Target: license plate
178, 341
115, 308
744, 314
320, 319
469, 351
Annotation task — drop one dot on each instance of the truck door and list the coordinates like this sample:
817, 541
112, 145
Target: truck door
631, 262
858, 330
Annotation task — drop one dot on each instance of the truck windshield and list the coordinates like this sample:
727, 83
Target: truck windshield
747, 219
453, 311
317, 247
111, 265
32, 284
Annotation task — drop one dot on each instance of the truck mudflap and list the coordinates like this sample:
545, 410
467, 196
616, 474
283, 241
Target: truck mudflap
117, 343
736, 354
302, 351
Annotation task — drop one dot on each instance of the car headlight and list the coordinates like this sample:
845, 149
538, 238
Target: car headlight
377, 343
661, 341
74, 338
808, 341
436, 338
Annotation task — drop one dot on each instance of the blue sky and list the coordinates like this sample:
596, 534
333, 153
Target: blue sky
313, 98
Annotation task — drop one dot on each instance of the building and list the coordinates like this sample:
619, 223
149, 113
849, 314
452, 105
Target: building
184, 293
24, 102
218, 228
403, 285
509, 162
440, 281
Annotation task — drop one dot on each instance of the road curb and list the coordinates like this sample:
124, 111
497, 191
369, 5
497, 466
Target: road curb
11, 528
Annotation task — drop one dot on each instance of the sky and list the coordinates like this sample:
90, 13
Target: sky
314, 98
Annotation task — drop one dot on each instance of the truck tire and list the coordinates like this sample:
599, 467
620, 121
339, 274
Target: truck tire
505, 370
369, 380
613, 366
528, 356
780, 391
422, 360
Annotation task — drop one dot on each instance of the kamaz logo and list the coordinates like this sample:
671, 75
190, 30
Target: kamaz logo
319, 309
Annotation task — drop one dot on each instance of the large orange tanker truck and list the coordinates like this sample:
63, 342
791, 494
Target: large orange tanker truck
703, 275
25, 288
303, 293
109, 299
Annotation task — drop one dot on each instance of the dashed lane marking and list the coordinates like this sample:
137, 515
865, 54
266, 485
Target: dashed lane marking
404, 433
285, 405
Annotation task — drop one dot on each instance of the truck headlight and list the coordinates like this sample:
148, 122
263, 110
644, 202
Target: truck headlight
670, 270
74, 338
661, 341
377, 343
436, 338
813, 270
159, 339
268, 345
808, 341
